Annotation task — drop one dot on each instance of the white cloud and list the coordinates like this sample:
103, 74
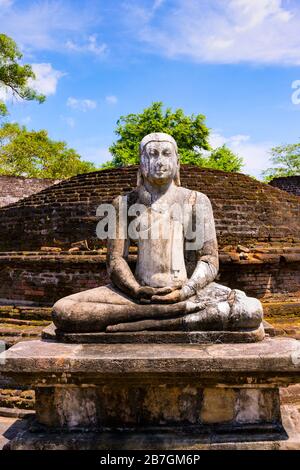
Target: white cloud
69, 121
139, 14
5, 94
97, 154
6, 3
217, 140
111, 99
91, 46
26, 120
81, 104
214, 31
249, 14
46, 24
45, 83
157, 4
255, 154
93, 152
46, 78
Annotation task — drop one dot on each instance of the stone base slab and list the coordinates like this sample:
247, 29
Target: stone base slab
146, 337
106, 441
21, 437
156, 396
273, 361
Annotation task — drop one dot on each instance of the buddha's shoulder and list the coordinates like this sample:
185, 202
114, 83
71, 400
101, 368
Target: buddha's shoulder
130, 197
192, 195
183, 195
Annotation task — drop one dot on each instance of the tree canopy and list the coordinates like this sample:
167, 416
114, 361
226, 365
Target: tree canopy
222, 158
34, 154
15, 77
190, 133
286, 161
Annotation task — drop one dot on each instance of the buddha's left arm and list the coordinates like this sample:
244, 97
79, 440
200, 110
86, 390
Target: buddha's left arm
207, 256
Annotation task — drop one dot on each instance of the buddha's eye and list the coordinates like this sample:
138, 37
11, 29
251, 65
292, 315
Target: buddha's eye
153, 153
166, 153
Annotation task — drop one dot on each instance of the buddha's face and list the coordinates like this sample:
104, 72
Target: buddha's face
159, 162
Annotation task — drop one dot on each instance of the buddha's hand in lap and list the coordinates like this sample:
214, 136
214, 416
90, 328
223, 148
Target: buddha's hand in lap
144, 294
178, 295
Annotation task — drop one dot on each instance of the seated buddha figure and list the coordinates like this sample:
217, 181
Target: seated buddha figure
173, 286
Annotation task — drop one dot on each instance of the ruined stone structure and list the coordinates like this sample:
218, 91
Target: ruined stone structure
257, 225
245, 210
258, 229
291, 184
13, 188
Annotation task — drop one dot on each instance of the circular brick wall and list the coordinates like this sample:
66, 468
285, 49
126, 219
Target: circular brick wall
291, 184
245, 209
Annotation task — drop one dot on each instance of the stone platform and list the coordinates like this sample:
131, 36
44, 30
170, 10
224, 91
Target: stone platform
156, 337
158, 396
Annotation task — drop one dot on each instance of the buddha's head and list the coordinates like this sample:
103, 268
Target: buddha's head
159, 163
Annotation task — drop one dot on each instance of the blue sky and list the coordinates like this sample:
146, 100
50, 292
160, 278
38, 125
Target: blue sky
234, 61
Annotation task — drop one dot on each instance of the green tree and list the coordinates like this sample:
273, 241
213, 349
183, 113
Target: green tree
286, 161
223, 158
34, 154
14, 76
190, 132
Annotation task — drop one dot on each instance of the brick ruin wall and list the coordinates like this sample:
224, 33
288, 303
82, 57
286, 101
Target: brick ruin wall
291, 184
42, 279
245, 210
12, 188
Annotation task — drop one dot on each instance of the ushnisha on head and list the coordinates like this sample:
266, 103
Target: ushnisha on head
159, 162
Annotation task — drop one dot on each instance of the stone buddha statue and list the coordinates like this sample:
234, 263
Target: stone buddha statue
173, 287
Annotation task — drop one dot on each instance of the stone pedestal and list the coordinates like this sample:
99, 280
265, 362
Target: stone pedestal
156, 337
155, 396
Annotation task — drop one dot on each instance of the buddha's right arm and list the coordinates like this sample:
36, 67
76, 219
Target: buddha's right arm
118, 269
117, 266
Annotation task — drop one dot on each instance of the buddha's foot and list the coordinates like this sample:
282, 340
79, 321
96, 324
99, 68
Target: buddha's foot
171, 324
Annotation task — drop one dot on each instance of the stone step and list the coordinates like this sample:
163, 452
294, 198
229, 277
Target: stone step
16, 399
12, 340
15, 412
20, 331
13, 321
11, 312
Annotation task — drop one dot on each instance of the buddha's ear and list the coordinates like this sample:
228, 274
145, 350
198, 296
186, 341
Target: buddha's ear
177, 174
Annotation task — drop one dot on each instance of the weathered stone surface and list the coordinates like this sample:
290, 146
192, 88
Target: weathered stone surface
13, 188
291, 184
10, 427
19, 435
119, 406
148, 441
155, 396
14, 399
192, 337
46, 277
50, 362
218, 405
174, 285
258, 405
